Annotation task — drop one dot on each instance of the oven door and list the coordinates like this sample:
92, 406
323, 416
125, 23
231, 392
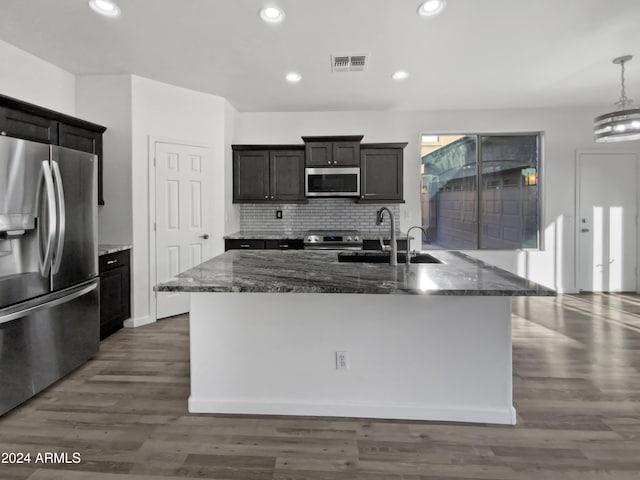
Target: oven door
332, 182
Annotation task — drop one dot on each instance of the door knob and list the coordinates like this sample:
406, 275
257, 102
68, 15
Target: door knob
584, 230
205, 236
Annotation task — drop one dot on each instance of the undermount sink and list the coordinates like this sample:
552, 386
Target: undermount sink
383, 257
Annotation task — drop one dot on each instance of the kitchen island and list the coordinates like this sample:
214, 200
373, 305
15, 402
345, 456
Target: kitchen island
299, 333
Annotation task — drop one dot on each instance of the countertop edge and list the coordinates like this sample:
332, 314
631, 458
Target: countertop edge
451, 293
106, 249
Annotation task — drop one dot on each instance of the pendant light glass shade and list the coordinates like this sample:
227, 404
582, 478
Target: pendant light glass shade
623, 124
619, 126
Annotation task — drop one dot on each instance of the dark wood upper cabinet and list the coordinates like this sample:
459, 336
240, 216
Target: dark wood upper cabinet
251, 176
319, 154
268, 173
381, 174
335, 151
287, 175
84, 140
15, 123
31, 122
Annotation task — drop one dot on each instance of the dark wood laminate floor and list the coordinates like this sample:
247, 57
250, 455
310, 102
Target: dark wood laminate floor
576, 388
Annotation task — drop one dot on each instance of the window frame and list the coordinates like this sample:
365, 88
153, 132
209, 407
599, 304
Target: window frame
541, 185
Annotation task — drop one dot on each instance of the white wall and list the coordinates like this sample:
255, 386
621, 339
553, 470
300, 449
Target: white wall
31, 79
106, 100
232, 211
565, 131
165, 112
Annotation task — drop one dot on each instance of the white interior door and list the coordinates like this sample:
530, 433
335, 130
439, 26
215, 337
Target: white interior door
607, 229
183, 225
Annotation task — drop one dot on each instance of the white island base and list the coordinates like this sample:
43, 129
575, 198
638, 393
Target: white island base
419, 357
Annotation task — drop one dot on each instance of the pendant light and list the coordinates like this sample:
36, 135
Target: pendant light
623, 124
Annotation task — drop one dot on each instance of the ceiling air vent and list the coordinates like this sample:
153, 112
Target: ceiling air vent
349, 63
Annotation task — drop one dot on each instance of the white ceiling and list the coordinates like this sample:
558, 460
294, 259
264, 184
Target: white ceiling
477, 54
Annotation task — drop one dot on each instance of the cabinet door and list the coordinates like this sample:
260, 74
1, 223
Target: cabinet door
381, 174
115, 300
291, 244
243, 244
375, 244
346, 154
15, 123
287, 175
250, 176
85, 141
319, 154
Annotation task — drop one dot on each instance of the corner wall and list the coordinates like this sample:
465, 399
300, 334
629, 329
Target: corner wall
165, 112
106, 100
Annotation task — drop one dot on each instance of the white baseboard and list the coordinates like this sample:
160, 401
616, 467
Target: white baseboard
138, 322
353, 410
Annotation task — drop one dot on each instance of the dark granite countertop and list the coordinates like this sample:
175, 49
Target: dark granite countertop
105, 249
304, 271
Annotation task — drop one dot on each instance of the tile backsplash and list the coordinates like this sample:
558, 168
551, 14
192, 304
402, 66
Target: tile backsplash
325, 213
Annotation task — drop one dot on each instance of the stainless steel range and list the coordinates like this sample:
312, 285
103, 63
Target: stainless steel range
333, 240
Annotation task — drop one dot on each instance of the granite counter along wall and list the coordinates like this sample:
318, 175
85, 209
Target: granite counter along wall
318, 214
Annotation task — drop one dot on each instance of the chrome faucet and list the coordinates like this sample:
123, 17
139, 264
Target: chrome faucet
408, 256
393, 256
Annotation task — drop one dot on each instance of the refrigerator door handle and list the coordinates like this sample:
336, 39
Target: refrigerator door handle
13, 313
46, 179
57, 256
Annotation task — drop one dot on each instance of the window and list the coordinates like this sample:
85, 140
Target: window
481, 191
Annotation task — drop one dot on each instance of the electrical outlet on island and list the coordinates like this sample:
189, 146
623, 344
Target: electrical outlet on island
279, 214
342, 360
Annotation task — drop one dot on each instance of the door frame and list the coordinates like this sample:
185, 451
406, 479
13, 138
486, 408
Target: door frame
151, 151
578, 177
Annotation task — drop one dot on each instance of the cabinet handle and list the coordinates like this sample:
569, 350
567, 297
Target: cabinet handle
335, 161
284, 245
329, 162
3, 133
245, 245
266, 196
111, 262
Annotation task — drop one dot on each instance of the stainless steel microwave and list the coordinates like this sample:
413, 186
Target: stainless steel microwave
332, 182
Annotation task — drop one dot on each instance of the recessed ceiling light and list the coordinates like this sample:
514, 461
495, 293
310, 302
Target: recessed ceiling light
105, 7
400, 75
272, 14
293, 77
431, 8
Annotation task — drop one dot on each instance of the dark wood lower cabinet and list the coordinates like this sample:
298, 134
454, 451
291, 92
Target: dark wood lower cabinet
115, 291
375, 244
294, 244
260, 244
243, 244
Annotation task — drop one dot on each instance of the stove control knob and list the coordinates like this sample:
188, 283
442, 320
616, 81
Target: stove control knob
348, 239
356, 239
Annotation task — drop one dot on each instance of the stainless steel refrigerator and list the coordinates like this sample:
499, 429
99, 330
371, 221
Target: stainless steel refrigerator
49, 295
